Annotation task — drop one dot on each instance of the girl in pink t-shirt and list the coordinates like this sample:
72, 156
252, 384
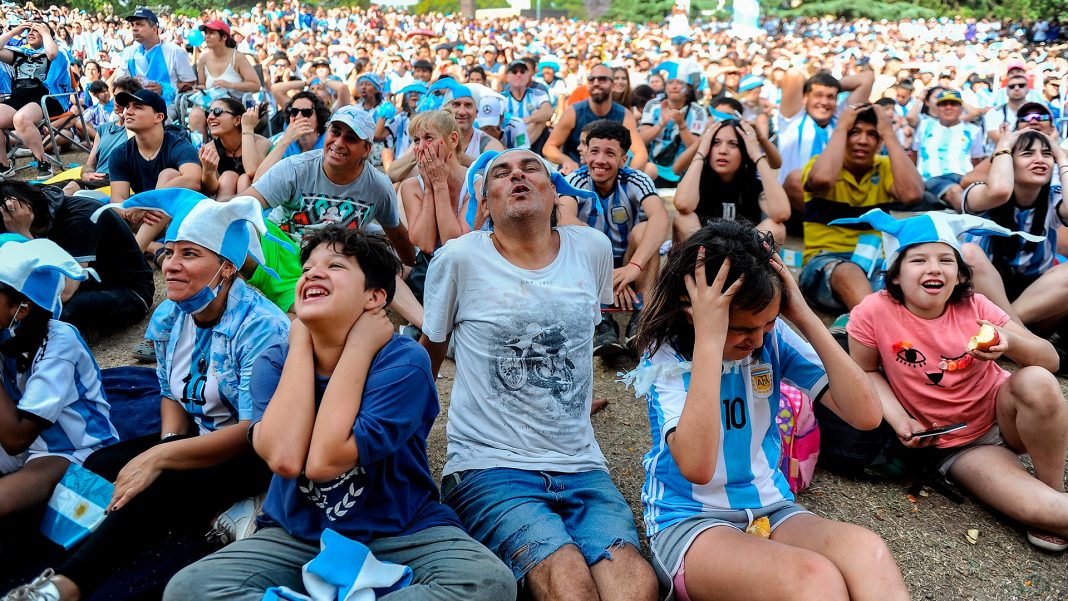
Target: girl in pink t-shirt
912, 340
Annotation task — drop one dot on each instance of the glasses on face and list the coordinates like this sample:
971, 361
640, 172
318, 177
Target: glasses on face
1016, 86
1036, 118
294, 111
598, 78
217, 112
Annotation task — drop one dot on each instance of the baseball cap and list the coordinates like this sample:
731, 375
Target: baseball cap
358, 121
1030, 108
143, 13
321, 61
1016, 66
490, 110
216, 25
948, 96
143, 96
517, 63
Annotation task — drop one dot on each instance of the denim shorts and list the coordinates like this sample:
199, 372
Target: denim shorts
526, 516
815, 280
669, 546
937, 185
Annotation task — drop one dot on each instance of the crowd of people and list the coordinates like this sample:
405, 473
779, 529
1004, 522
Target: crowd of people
508, 188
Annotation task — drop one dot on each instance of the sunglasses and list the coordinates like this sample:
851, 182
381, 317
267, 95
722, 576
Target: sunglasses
217, 112
596, 78
1016, 86
1033, 117
293, 112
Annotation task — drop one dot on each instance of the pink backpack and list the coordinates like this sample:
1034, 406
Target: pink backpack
800, 437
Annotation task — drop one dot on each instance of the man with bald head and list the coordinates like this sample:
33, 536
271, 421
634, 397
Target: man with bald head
523, 470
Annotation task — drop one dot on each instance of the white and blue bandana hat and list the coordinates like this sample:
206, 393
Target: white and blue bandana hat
899, 234
230, 229
36, 269
442, 92
482, 165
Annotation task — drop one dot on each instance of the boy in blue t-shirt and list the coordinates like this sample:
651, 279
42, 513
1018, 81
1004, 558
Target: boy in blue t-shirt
348, 452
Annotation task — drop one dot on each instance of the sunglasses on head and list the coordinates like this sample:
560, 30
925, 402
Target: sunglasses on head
1016, 86
596, 78
293, 112
1033, 117
216, 112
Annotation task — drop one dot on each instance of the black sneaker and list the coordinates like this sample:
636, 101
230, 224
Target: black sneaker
44, 169
631, 335
606, 337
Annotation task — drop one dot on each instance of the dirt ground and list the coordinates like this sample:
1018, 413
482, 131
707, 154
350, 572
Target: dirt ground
928, 538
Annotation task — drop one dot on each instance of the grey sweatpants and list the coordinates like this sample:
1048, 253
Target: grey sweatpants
447, 564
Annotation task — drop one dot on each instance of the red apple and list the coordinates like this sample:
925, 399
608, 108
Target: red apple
984, 339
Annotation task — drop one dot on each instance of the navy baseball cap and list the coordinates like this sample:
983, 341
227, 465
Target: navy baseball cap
143, 96
143, 13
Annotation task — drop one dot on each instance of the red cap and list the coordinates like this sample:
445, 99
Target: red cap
217, 25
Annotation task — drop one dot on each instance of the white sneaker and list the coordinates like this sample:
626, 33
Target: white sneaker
41, 589
237, 522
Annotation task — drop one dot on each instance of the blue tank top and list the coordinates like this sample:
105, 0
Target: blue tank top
584, 115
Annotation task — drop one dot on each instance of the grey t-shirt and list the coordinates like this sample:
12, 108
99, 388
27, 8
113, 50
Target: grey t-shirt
524, 351
303, 197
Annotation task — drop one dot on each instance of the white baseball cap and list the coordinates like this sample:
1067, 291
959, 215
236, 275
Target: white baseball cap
491, 108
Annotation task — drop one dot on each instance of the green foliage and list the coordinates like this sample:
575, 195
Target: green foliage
574, 8
642, 11
867, 9
453, 6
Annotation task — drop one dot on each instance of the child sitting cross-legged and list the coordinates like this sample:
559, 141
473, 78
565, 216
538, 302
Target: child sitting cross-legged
341, 416
913, 341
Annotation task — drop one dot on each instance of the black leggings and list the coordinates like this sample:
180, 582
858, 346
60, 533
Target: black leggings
176, 501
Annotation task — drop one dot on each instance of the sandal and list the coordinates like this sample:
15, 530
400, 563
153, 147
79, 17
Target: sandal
1047, 541
144, 352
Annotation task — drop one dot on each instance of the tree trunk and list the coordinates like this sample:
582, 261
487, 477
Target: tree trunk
467, 8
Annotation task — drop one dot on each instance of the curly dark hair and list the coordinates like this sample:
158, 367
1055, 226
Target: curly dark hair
322, 112
373, 253
31, 334
750, 251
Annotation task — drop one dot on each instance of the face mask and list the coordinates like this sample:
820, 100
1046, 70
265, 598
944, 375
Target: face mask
9, 331
200, 301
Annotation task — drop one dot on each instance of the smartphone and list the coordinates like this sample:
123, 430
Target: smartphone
638, 305
939, 430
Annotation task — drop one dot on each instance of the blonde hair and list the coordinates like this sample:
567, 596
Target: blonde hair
441, 122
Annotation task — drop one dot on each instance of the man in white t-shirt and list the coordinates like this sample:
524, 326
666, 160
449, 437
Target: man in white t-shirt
523, 469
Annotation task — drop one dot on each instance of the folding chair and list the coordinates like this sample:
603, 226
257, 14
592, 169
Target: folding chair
59, 127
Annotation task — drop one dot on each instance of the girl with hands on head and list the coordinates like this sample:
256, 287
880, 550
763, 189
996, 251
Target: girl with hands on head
912, 339
730, 177
716, 352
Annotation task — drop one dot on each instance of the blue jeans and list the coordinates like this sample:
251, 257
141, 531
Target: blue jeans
526, 516
815, 280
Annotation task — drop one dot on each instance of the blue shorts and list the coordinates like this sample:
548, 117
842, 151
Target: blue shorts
815, 280
526, 516
937, 185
